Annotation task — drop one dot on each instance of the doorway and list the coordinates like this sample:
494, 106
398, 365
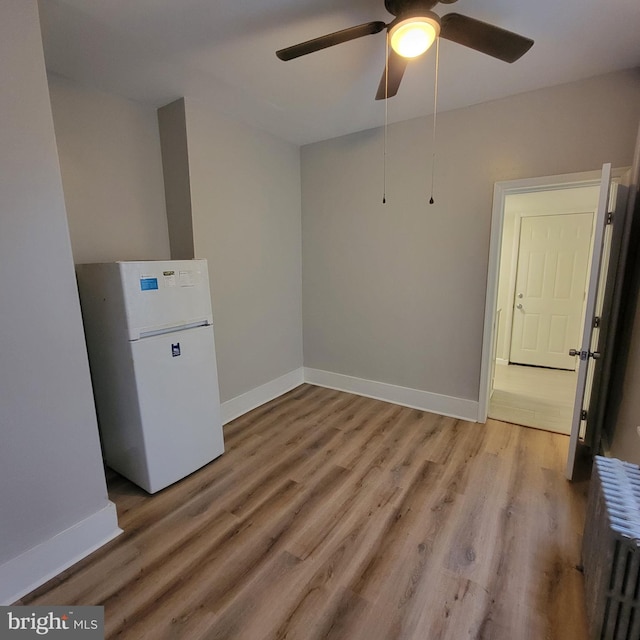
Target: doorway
525, 195
596, 351
544, 262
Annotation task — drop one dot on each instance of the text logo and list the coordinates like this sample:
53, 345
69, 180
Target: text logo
22, 623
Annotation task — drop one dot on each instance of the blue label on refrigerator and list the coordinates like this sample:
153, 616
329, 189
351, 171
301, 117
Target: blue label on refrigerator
148, 284
175, 349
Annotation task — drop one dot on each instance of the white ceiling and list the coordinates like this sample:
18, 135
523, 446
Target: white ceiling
223, 52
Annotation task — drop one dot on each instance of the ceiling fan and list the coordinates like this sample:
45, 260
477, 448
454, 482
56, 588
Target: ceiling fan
413, 31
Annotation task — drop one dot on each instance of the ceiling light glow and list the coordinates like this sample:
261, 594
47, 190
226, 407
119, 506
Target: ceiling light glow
413, 36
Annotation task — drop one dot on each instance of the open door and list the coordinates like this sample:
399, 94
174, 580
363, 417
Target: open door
587, 351
605, 336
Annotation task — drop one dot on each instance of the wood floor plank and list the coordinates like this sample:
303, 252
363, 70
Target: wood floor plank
333, 516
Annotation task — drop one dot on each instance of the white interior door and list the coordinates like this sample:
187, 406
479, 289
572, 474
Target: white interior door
584, 356
553, 261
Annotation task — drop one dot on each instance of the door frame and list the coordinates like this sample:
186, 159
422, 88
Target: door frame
500, 192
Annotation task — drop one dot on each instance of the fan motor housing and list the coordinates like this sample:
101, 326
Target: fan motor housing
409, 7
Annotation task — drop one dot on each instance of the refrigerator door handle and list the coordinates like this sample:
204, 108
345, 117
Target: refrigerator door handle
174, 328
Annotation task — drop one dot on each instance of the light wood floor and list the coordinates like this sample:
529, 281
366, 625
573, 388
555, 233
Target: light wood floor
337, 516
534, 397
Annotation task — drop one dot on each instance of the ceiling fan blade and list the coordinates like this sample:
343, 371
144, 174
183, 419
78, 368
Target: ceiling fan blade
338, 37
484, 37
389, 87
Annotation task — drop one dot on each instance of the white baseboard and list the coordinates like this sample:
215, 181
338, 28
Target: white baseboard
414, 398
34, 567
234, 408
424, 400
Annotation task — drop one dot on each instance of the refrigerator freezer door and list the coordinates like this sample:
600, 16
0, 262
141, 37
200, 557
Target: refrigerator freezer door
177, 386
163, 294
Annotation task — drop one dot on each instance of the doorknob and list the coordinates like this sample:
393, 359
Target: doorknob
518, 306
584, 354
520, 295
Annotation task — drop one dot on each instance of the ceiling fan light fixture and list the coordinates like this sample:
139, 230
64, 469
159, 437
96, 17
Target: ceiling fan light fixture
413, 36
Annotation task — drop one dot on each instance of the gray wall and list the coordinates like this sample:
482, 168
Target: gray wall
177, 186
51, 474
391, 293
245, 197
245, 188
395, 293
109, 151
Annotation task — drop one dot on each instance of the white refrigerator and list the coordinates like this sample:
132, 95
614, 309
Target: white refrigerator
149, 333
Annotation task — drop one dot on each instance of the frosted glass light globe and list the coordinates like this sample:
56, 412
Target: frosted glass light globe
413, 36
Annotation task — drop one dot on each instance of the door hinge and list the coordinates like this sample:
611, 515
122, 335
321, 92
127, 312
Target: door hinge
596, 322
583, 414
610, 217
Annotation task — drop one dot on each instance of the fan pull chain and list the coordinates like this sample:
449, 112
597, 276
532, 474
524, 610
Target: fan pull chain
435, 112
386, 119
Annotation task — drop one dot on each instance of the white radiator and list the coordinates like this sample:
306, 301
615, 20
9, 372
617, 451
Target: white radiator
611, 551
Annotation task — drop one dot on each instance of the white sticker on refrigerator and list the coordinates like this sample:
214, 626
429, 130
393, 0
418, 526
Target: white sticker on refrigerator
189, 278
169, 278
